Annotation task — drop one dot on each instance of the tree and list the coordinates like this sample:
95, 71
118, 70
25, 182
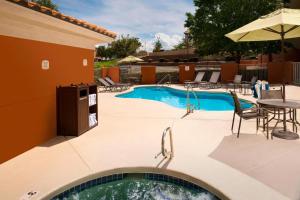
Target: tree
47, 3
105, 52
125, 46
157, 46
101, 51
182, 44
213, 19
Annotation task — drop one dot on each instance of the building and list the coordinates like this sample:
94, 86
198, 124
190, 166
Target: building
172, 56
40, 50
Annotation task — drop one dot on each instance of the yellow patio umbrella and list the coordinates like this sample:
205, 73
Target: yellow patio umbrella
130, 59
279, 25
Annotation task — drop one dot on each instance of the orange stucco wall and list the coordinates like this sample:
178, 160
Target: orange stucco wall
28, 93
186, 75
104, 72
148, 74
228, 71
112, 72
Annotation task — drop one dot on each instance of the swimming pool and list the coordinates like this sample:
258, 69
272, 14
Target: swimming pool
210, 101
128, 186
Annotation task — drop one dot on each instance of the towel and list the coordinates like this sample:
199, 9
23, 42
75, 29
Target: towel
258, 89
92, 119
92, 99
259, 86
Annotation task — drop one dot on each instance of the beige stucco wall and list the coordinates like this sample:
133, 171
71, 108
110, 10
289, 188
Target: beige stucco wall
20, 22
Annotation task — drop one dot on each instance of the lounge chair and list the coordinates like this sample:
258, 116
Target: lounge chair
121, 85
198, 79
236, 83
250, 113
213, 81
106, 85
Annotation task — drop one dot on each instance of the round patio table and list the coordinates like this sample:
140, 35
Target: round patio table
283, 105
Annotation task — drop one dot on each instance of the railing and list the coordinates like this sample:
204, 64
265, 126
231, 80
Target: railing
164, 151
164, 78
191, 107
248, 71
296, 73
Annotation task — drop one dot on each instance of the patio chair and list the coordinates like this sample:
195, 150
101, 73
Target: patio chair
121, 85
246, 85
198, 79
271, 94
250, 113
106, 85
236, 83
275, 94
213, 81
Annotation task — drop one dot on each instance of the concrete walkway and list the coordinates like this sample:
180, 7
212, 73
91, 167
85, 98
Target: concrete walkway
128, 136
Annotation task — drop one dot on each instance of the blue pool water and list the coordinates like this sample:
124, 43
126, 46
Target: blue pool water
210, 101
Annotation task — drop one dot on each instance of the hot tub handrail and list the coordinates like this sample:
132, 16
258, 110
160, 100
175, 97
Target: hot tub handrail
164, 152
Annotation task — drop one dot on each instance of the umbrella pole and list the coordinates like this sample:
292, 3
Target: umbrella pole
283, 58
284, 76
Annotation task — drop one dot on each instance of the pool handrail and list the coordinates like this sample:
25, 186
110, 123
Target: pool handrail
188, 105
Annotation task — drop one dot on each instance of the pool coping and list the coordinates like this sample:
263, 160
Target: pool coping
168, 172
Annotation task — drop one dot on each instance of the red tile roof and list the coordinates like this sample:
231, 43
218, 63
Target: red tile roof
56, 14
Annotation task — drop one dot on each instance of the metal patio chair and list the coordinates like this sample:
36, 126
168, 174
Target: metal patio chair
236, 83
246, 85
249, 113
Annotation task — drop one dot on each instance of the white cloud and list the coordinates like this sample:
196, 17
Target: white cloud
140, 18
167, 41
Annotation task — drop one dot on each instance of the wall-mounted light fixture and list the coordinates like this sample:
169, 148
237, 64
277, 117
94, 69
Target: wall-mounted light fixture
45, 64
85, 62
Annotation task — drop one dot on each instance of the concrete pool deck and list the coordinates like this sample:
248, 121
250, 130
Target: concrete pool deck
128, 136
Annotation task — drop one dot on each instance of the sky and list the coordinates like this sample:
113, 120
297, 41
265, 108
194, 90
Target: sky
145, 19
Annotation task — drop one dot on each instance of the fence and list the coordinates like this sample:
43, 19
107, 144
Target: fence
133, 73
296, 73
261, 72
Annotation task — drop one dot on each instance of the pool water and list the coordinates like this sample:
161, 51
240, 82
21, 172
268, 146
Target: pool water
140, 189
210, 101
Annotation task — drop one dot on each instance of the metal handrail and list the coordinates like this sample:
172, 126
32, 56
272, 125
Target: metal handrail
189, 107
164, 77
164, 152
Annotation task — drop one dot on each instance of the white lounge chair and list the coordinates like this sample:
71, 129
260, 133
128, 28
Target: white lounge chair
106, 85
213, 81
198, 79
121, 85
